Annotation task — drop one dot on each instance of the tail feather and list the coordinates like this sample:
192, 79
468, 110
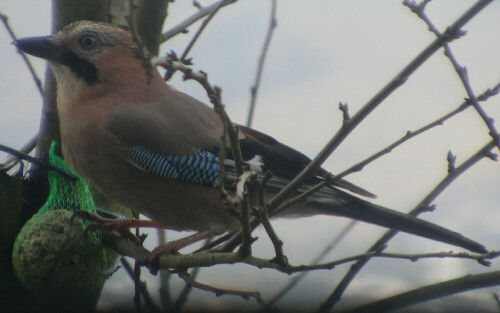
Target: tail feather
332, 201
349, 206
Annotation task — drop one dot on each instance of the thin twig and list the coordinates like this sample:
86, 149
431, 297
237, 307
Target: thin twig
137, 272
280, 257
142, 286
38, 82
354, 121
182, 298
328, 248
241, 194
200, 30
461, 71
344, 108
255, 88
127, 248
201, 13
382, 241
349, 125
218, 291
197, 5
434, 291
497, 300
137, 287
165, 297
410, 134
12, 160
191, 43
38, 162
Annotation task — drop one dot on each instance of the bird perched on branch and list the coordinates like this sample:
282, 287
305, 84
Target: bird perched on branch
157, 150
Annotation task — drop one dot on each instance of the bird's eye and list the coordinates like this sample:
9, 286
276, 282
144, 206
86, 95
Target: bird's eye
89, 41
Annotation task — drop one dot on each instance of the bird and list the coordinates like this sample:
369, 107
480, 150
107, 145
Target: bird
158, 151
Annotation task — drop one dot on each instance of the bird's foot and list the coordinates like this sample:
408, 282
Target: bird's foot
121, 225
172, 247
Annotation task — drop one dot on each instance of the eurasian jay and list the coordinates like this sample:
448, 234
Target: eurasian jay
156, 150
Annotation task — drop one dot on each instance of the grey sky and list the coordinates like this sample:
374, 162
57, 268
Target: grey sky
324, 52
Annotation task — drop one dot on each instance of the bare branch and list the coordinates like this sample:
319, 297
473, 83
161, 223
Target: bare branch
141, 285
497, 300
182, 298
137, 270
201, 13
461, 71
410, 134
38, 162
382, 241
435, 291
255, 88
329, 247
38, 82
352, 123
13, 160
137, 287
172, 63
126, 247
200, 30
277, 242
165, 297
218, 291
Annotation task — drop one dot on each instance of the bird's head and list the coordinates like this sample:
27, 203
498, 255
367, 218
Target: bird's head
88, 54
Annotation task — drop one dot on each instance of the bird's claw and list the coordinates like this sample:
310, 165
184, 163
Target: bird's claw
120, 225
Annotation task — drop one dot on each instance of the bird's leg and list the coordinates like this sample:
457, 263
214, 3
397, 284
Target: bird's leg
172, 247
121, 225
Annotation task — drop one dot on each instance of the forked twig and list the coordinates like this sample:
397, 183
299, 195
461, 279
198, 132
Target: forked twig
200, 30
218, 291
201, 13
183, 261
13, 160
461, 71
382, 241
349, 125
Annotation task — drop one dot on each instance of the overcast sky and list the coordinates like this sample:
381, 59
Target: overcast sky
324, 52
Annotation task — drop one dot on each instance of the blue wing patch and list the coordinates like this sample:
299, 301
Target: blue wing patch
201, 167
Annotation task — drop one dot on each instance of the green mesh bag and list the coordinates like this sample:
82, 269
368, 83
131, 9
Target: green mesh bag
65, 193
55, 260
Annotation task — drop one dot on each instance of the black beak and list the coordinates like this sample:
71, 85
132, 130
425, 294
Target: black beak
40, 47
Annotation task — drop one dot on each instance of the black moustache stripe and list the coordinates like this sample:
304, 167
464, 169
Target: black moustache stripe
81, 67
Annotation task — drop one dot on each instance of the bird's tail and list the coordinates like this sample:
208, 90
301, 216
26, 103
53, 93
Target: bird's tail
333, 201
336, 202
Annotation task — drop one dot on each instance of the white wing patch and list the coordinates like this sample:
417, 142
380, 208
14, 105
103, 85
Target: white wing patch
256, 163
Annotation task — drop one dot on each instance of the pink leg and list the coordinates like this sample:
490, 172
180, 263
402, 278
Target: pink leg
121, 225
